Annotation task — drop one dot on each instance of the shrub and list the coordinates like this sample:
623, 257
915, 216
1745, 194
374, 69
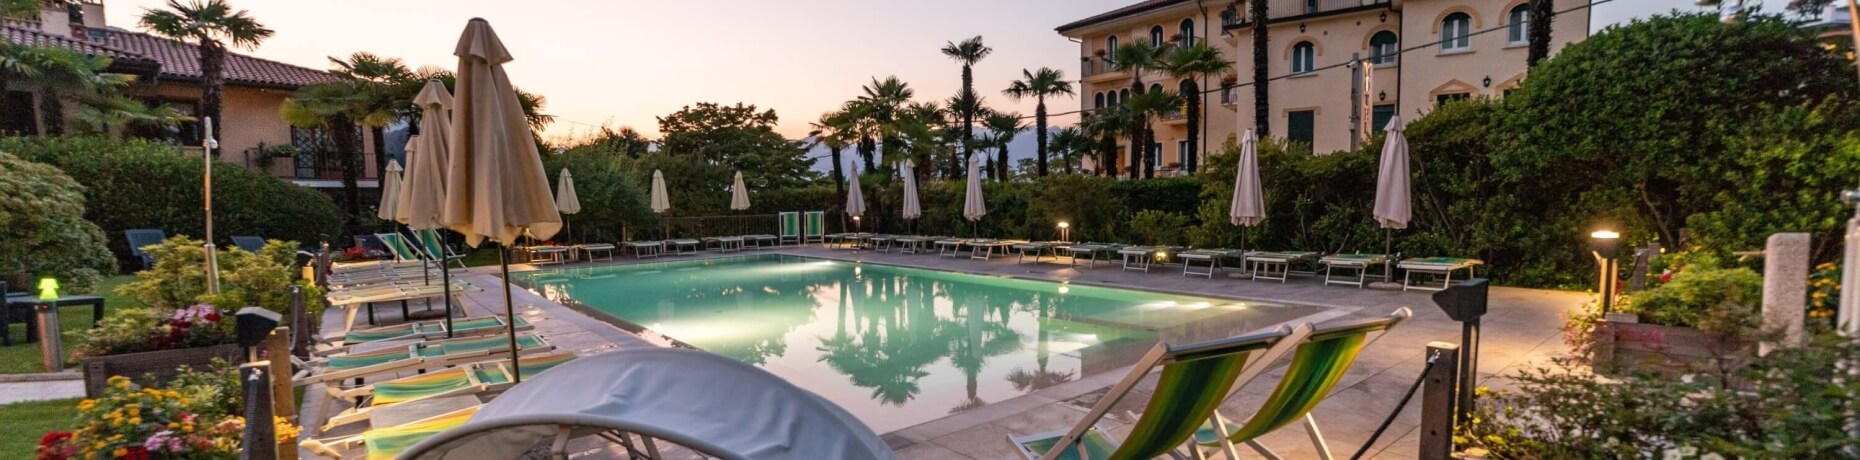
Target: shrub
178, 311
611, 197
1157, 227
1718, 300
139, 184
42, 223
194, 419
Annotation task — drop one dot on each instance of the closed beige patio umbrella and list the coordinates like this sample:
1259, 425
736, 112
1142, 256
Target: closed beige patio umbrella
390, 191
422, 193
739, 194
660, 202
565, 200
973, 208
496, 188
912, 209
855, 199
1393, 208
1249, 202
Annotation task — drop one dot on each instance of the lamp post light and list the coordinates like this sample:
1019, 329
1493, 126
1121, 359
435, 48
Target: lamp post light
1605, 244
1065, 231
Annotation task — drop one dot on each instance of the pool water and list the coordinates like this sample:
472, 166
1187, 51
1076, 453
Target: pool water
896, 346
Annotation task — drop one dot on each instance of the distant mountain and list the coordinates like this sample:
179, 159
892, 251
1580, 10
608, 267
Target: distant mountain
1022, 147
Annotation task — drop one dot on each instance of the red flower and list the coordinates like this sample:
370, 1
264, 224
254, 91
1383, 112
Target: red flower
213, 316
137, 453
55, 445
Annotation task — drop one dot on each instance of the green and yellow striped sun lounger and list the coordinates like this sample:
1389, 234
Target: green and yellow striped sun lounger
1319, 362
1276, 265
387, 442
428, 329
1195, 379
814, 227
790, 228
468, 379
431, 354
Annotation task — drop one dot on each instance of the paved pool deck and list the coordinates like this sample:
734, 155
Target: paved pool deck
1520, 331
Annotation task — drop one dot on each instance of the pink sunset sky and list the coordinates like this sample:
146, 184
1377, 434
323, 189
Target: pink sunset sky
621, 63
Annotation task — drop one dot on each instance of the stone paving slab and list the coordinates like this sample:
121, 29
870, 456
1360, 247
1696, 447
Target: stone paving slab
12, 392
1521, 331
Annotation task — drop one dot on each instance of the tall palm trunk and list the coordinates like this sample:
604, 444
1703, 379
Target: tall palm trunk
213, 83
6, 105
1149, 156
1107, 155
1541, 15
1262, 108
968, 112
1189, 160
839, 173
345, 134
381, 156
1138, 126
867, 149
1039, 136
1001, 163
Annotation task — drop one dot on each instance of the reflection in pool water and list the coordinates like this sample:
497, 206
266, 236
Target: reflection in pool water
896, 346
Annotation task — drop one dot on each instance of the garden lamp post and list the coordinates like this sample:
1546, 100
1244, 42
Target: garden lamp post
208, 144
1065, 231
1604, 244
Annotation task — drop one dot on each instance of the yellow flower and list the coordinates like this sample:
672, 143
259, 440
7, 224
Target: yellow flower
135, 421
87, 405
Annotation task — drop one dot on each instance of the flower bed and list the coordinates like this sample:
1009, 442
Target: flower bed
192, 419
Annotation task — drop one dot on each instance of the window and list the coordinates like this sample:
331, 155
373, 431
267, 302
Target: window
1304, 57
1188, 88
1384, 48
1156, 35
1379, 116
1155, 152
1097, 100
1311, 6
1156, 87
1456, 32
1123, 95
1181, 152
1188, 33
1518, 31
1110, 48
18, 122
1445, 98
1230, 93
1301, 126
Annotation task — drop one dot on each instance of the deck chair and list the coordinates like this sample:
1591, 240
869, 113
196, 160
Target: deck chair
1195, 379
475, 378
431, 354
1319, 362
429, 329
435, 248
353, 300
387, 442
249, 243
814, 229
141, 237
398, 246
790, 223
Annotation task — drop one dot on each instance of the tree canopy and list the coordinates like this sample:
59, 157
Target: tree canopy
738, 137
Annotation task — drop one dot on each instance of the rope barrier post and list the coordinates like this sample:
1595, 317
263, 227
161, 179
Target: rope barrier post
261, 436
1439, 404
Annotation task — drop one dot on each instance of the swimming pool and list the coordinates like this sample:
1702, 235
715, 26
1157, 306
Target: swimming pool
896, 346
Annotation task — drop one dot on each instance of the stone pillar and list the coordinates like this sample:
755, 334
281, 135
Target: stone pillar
1785, 289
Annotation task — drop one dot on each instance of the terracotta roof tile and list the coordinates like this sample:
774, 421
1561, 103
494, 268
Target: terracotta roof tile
1139, 7
17, 32
182, 60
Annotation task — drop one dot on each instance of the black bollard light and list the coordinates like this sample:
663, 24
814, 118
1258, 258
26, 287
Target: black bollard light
254, 324
1465, 302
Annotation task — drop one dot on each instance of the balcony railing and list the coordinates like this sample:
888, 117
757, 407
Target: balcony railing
1096, 65
1293, 8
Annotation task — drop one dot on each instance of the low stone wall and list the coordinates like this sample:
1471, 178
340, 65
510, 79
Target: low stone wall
153, 367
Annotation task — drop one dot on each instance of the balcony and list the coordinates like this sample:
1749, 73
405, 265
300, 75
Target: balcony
1097, 69
1288, 10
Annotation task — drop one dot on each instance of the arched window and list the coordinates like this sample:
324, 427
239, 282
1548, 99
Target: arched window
1156, 87
1456, 32
1384, 48
1304, 57
1097, 100
1110, 52
1123, 95
1156, 35
1187, 87
1188, 32
1518, 27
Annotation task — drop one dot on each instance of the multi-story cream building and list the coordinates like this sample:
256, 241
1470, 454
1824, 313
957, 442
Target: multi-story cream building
1454, 49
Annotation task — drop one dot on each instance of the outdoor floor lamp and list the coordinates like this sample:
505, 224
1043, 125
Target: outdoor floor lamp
1605, 244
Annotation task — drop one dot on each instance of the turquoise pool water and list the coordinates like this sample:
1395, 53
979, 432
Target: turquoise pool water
896, 346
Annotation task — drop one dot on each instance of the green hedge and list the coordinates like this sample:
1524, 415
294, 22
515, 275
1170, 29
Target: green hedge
138, 184
44, 231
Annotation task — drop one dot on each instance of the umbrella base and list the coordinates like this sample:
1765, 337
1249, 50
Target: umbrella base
1386, 286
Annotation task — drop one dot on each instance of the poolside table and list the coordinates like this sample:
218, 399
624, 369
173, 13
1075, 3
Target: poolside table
1090, 251
1276, 265
22, 307
1443, 266
1358, 262
680, 246
645, 249
950, 248
590, 249
1212, 257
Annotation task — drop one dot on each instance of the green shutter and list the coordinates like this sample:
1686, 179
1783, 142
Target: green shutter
1301, 126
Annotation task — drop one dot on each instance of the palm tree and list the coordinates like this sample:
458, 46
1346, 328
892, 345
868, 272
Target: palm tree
1262, 109
879, 106
1002, 128
1195, 63
1067, 144
1144, 109
63, 73
960, 105
968, 53
341, 109
1539, 27
1137, 57
833, 130
1039, 85
385, 83
1107, 124
924, 126
212, 25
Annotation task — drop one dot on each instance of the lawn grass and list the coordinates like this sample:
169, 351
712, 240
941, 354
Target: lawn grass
23, 358
480, 257
22, 423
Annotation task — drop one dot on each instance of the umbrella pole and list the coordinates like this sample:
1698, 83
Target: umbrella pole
1388, 253
510, 313
445, 276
